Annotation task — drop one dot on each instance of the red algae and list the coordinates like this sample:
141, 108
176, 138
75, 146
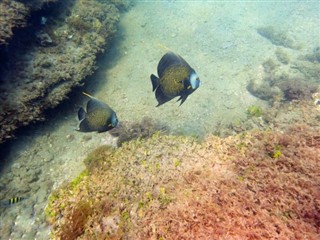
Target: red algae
278, 198
256, 185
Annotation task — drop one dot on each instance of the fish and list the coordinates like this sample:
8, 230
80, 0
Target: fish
11, 201
99, 117
175, 78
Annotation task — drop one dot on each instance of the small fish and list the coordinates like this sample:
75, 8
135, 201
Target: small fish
176, 78
11, 201
99, 117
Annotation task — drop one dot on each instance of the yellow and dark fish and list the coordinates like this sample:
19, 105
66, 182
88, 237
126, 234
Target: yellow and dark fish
175, 78
99, 117
11, 201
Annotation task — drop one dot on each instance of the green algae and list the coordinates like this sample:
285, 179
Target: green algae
254, 111
276, 152
74, 184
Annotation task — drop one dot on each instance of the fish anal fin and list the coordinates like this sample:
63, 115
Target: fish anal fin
182, 98
161, 98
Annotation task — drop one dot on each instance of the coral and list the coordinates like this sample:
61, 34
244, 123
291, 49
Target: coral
256, 185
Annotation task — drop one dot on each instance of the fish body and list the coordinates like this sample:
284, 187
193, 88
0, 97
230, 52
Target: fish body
99, 117
11, 201
175, 78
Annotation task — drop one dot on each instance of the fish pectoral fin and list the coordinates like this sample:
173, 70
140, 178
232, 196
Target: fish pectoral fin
81, 114
155, 82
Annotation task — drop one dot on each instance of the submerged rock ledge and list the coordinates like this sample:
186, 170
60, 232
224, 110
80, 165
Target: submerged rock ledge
53, 52
255, 185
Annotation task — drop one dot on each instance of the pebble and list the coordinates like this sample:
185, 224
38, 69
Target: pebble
70, 137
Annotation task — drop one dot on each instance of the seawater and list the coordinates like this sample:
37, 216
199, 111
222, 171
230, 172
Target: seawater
218, 39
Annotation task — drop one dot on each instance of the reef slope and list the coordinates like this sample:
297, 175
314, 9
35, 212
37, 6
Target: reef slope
255, 185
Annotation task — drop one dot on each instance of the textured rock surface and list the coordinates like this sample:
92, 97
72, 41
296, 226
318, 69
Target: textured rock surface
256, 185
53, 54
14, 14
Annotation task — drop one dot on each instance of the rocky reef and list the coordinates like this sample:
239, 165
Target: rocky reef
287, 79
14, 15
54, 50
278, 37
253, 185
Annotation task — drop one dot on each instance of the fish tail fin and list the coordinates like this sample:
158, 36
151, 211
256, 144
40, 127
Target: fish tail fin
155, 82
81, 114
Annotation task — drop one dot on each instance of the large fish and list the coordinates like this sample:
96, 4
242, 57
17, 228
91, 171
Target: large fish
99, 117
175, 78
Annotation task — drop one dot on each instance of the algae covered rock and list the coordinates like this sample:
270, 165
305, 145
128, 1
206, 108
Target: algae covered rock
274, 82
277, 37
146, 188
282, 56
50, 57
14, 14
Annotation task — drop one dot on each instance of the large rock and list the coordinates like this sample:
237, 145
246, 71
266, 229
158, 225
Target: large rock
51, 55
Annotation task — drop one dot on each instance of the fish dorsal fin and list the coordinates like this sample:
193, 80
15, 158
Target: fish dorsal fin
168, 60
94, 104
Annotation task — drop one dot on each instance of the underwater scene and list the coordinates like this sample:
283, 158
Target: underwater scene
125, 119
